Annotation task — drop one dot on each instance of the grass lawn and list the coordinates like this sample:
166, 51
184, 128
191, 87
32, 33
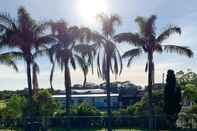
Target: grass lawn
61, 129
2, 104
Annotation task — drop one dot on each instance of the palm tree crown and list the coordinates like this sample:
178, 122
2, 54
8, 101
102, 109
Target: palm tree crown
147, 41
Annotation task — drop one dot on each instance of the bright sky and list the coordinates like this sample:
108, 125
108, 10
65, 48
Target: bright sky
81, 12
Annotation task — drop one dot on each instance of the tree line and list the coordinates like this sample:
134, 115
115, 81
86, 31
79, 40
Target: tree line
72, 46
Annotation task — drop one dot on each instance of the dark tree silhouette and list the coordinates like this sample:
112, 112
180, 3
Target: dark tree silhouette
65, 52
108, 58
28, 36
172, 99
148, 42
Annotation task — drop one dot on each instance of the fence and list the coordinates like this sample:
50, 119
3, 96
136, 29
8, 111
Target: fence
97, 122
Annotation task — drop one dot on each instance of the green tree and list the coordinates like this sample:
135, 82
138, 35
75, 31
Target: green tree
172, 99
44, 106
148, 42
108, 58
84, 109
15, 107
140, 108
190, 92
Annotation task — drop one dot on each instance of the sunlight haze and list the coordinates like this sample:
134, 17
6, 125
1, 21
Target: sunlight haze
83, 12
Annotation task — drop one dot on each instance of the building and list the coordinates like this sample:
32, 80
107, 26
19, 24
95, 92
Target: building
156, 87
97, 100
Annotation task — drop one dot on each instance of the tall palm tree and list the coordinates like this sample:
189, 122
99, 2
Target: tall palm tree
108, 58
147, 41
27, 35
65, 53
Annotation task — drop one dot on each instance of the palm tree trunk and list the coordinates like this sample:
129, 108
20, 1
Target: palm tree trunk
109, 120
84, 81
150, 85
29, 89
51, 76
67, 82
35, 81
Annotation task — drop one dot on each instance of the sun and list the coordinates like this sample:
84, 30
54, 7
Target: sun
88, 9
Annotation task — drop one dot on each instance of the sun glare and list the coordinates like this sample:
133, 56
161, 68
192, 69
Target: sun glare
88, 9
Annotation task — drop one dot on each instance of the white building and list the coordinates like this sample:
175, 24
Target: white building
97, 100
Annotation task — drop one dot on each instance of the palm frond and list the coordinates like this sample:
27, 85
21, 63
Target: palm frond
181, 50
25, 22
158, 48
39, 53
150, 26
99, 66
8, 60
72, 61
85, 49
48, 39
131, 38
83, 65
167, 32
85, 34
40, 28
131, 54
120, 61
8, 22
115, 19
15, 55
108, 23
141, 21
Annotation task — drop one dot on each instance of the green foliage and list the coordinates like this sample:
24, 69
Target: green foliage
192, 110
14, 107
84, 109
2, 104
141, 107
44, 104
190, 92
17, 107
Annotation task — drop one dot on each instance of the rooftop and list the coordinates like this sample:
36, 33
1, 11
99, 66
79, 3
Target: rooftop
86, 95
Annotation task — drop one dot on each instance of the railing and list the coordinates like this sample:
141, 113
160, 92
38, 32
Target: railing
96, 122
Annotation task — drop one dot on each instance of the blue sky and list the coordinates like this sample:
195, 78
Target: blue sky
178, 12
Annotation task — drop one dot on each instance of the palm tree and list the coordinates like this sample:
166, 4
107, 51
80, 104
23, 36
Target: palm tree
148, 42
108, 58
26, 35
65, 53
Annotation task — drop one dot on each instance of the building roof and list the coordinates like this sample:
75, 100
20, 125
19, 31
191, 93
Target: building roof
86, 95
92, 91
